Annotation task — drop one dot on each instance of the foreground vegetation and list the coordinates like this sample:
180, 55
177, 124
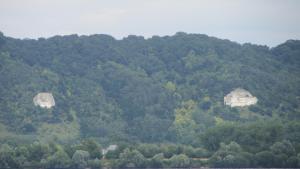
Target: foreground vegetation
160, 99
260, 144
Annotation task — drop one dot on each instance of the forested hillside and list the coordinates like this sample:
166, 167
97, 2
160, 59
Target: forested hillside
160, 90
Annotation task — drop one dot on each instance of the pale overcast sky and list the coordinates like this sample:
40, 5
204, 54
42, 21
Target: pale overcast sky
267, 22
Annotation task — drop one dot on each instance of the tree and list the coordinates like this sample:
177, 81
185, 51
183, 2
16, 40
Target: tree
38, 151
132, 158
58, 160
157, 161
230, 155
166, 90
265, 159
184, 125
95, 163
92, 147
171, 149
298, 157
80, 159
148, 150
179, 161
201, 153
7, 157
280, 160
21, 155
215, 135
284, 147
292, 162
170, 86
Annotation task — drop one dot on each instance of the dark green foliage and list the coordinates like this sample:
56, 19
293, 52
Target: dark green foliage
129, 89
284, 147
148, 150
58, 160
179, 161
165, 92
230, 155
80, 159
94, 164
253, 136
288, 52
265, 159
170, 150
132, 159
293, 162
38, 151
92, 147
157, 161
7, 159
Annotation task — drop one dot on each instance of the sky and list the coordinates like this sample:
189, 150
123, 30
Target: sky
264, 22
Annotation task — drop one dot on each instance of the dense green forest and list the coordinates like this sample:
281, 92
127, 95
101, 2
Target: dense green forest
159, 99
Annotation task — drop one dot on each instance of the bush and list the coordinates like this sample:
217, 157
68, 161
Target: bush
7, 158
280, 160
94, 164
284, 147
230, 155
170, 149
201, 153
80, 159
92, 147
148, 150
157, 161
59, 159
189, 151
179, 161
116, 153
264, 159
132, 159
292, 162
197, 163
